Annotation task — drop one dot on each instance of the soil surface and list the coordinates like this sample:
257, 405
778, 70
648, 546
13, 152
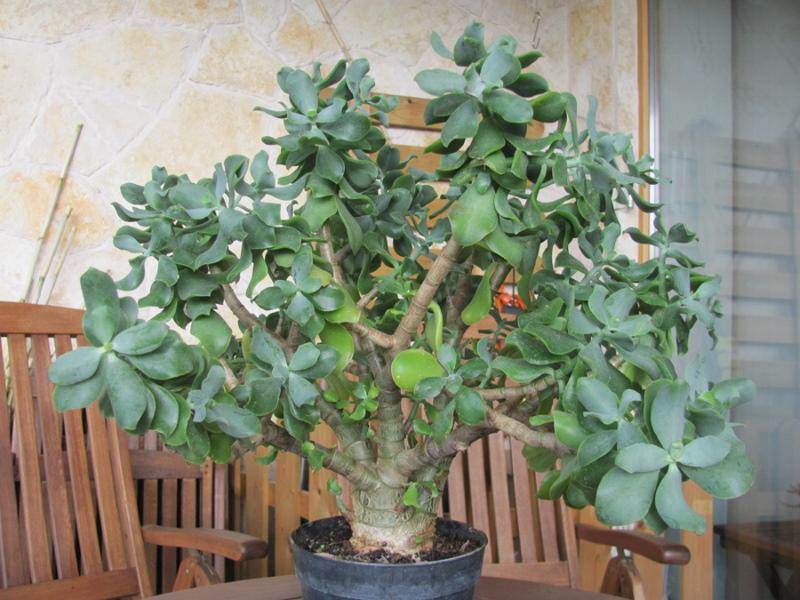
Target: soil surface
334, 540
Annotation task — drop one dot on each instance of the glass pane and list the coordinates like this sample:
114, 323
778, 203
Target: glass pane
728, 113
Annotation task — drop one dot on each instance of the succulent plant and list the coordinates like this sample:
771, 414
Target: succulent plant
359, 294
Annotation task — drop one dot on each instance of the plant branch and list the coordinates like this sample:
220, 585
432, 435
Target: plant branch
326, 249
356, 473
520, 431
517, 392
245, 316
407, 328
460, 298
367, 298
384, 340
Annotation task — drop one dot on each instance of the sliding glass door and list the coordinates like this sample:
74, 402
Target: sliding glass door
726, 109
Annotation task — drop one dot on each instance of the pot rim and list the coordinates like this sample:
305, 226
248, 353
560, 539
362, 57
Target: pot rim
484, 541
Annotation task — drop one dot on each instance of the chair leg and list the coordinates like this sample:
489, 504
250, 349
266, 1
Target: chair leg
622, 579
194, 572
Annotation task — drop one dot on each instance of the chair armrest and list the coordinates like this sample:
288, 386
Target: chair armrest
650, 546
230, 544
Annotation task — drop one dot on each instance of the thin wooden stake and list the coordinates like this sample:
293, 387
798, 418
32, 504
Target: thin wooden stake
48, 262
327, 16
59, 263
50, 211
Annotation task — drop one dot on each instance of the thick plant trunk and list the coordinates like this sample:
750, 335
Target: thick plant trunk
381, 521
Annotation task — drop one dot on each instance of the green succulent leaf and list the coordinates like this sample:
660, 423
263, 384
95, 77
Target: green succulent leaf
624, 498
672, 506
642, 458
75, 366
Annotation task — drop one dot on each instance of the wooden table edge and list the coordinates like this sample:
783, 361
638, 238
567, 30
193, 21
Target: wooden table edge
287, 587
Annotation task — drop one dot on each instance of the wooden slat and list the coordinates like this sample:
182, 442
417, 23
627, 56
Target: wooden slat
132, 527
149, 502
522, 502
760, 240
35, 527
100, 586
551, 573
256, 506
767, 285
12, 567
31, 319
169, 518
188, 506
113, 549
547, 525
61, 521
426, 162
150, 464
479, 501
457, 492
751, 154
768, 330
220, 510
409, 114
778, 374
567, 535
761, 197
287, 509
80, 484
498, 472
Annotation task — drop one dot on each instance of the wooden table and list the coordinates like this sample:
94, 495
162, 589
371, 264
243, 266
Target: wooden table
768, 544
288, 588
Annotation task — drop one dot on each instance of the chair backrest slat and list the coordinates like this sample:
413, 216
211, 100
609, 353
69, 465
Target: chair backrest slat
127, 505
498, 471
80, 483
479, 501
61, 521
522, 502
547, 525
35, 526
113, 548
529, 538
12, 569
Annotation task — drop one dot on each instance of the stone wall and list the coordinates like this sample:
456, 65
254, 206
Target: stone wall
173, 82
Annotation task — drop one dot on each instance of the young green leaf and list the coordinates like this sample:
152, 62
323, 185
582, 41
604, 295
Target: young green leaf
481, 302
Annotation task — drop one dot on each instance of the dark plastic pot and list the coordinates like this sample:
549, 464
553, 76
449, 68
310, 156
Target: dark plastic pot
324, 577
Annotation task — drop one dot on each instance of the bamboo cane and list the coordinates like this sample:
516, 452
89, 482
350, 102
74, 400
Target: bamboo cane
59, 264
48, 262
50, 212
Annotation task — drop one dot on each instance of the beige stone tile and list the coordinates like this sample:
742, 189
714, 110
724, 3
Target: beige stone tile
107, 258
233, 58
118, 120
192, 12
591, 57
53, 134
14, 263
263, 17
24, 79
49, 20
137, 63
402, 39
301, 39
26, 198
200, 128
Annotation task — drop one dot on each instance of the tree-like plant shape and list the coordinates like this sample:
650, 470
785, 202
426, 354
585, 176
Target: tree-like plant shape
364, 295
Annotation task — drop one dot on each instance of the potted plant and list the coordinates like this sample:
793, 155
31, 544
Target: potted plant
359, 296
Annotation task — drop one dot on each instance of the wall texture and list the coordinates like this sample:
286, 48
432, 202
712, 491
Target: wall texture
173, 82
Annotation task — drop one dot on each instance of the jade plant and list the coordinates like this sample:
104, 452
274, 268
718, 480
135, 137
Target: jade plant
353, 283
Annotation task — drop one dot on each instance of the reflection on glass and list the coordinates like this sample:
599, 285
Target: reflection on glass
728, 74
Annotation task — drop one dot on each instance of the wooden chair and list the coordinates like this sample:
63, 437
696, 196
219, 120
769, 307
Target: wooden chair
490, 487
69, 522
